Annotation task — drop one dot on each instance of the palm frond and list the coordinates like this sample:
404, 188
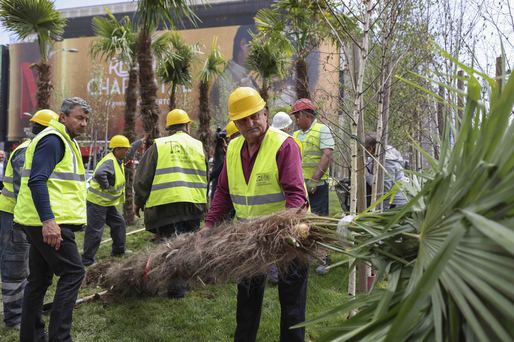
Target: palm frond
214, 63
450, 250
269, 57
176, 59
114, 38
153, 13
33, 17
303, 23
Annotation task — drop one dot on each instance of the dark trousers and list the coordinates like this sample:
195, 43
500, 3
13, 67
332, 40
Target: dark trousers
319, 200
44, 262
14, 268
177, 228
97, 217
292, 292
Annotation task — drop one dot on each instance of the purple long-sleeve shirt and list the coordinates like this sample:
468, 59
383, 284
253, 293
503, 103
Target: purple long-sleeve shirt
289, 163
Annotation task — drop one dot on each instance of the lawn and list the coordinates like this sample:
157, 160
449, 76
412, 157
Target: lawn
206, 314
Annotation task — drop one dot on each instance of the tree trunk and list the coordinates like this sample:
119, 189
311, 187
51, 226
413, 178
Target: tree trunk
173, 96
147, 86
131, 105
44, 84
390, 17
460, 99
204, 132
129, 131
302, 79
357, 119
128, 205
264, 91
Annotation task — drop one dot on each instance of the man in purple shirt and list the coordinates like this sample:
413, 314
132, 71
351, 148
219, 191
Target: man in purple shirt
249, 112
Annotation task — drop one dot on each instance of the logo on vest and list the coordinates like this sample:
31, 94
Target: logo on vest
263, 179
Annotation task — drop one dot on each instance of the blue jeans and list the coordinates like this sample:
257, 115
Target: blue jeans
14, 268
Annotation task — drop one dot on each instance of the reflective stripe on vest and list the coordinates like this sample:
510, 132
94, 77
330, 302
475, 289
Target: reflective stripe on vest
115, 194
181, 172
263, 194
311, 151
66, 185
7, 196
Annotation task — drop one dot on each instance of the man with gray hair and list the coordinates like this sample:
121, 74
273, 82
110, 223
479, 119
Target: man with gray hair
51, 207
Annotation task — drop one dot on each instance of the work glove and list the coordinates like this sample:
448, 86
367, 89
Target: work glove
311, 185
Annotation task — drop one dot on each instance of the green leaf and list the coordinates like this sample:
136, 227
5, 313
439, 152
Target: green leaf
400, 328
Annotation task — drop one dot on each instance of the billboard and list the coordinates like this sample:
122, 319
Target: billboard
102, 82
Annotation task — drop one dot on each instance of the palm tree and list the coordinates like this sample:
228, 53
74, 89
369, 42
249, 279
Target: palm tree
151, 14
302, 23
175, 60
269, 59
212, 68
27, 18
117, 39
448, 253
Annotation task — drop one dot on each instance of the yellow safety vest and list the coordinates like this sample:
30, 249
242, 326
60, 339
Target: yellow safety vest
263, 194
181, 172
311, 151
115, 194
300, 145
7, 196
66, 184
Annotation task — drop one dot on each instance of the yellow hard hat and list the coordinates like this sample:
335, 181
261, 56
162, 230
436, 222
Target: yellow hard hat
119, 141
243, 102
44, 116
231, 129
177, 117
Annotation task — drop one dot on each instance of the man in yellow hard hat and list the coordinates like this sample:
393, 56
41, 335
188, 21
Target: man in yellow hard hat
14, 247
50, 208
171, 180
231, 130
106, 190
262, 175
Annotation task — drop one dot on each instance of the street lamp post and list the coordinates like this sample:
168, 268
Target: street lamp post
71, 50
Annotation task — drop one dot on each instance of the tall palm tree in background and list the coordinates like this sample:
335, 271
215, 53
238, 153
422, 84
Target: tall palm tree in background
117, 39
151, 14
175, 61
27, 18
302, 23
269, 59
213, 67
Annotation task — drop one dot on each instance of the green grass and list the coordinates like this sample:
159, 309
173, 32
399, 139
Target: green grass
206, 314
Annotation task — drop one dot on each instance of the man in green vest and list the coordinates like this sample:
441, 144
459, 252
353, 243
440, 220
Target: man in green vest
318, 145
14, 247
106, 191
50, 208
171, 180
262, 175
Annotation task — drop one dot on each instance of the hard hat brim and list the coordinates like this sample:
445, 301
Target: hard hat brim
248, 112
